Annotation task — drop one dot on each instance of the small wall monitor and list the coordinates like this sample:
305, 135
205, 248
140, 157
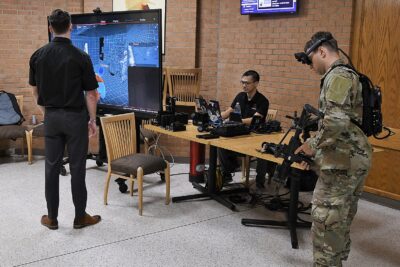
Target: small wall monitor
254, 7
125, 48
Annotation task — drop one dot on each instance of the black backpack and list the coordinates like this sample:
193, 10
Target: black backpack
372, 119
10, 113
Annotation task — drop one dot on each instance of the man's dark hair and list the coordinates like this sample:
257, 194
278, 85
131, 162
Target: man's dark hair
60, 21
330, 42
254, 74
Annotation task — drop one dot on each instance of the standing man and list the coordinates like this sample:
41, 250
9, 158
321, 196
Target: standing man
251, 103
342, 153
64, 86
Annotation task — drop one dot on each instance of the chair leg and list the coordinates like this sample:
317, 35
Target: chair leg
131, 184
243, 169
167, 183
140, 189
246, 170
247, 159
23, 146
106, 187
28, 135
146, 146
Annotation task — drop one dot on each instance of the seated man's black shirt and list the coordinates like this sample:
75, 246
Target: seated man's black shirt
259, 103
61, 73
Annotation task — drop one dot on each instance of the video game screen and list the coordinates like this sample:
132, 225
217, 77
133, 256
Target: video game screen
126, 54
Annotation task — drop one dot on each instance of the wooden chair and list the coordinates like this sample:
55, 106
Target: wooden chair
33, 131
184, 84
148, 137
20, 100
15, 131
120, 138
271, 115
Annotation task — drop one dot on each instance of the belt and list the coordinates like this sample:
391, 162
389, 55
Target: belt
76, 109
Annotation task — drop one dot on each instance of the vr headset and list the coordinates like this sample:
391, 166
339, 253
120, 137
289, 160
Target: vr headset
303, 56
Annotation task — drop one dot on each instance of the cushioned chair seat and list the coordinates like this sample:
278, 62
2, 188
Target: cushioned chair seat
130, 163
38, 130
12, 131
120, 138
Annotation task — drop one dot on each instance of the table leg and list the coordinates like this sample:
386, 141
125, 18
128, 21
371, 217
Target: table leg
210, 191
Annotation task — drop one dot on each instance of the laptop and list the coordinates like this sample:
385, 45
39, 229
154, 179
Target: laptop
214, 112
201, 105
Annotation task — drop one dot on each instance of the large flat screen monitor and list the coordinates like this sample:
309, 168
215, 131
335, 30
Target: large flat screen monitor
125, 48
250, 7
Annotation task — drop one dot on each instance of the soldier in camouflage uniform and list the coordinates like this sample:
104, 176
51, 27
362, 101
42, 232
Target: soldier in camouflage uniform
342, 154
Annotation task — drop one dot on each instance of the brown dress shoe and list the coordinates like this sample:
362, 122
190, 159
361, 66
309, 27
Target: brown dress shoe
49, 223
86, 220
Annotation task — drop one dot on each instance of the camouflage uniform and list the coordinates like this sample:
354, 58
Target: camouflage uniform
342, 160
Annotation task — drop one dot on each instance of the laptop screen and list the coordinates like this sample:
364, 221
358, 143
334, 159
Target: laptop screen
201, 105
214, 113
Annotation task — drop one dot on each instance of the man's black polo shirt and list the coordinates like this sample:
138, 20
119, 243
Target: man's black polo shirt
61, 73
259, 103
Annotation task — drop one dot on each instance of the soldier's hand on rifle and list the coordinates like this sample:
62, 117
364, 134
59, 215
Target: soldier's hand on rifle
306, 150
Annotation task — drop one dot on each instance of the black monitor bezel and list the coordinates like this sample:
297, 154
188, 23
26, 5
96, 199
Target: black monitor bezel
126, 16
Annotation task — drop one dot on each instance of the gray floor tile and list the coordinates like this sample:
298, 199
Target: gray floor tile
196, 233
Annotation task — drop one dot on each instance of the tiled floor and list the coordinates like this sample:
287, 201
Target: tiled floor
196, 233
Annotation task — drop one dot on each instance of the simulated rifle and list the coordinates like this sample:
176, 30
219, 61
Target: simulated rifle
303, 124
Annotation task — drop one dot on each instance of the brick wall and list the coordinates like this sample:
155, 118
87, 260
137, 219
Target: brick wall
180, 43
208, 47
89, 5
267, 44
180, 33
23, 29
224, 46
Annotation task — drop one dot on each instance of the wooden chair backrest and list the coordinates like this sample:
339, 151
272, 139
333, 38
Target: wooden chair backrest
119, 135
20, 100
271, 115
184, 84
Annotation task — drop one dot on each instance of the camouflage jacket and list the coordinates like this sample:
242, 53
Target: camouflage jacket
338, 139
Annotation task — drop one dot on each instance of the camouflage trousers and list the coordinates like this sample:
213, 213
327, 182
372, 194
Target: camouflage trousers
334, 206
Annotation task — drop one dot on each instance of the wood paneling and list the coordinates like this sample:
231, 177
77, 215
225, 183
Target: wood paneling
375, 51
384, 175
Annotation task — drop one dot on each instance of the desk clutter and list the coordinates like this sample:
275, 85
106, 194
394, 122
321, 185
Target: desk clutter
208, 119
172, 121
169, 119
231, 129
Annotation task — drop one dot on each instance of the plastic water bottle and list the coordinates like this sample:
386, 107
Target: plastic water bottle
237, 109
34, 120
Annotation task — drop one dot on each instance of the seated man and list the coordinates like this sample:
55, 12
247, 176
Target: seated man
251, 103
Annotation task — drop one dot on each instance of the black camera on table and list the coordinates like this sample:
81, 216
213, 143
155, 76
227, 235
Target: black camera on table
176, 126
182, 117
200, 118
171, 120
170, 104
164, 118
